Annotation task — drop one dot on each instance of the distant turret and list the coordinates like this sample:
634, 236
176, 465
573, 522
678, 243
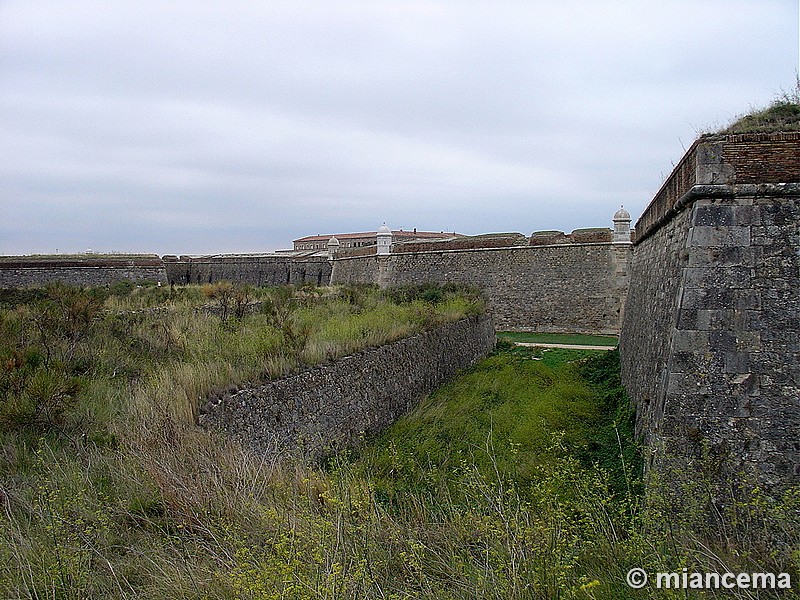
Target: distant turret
333, 247
384, 239
622, 226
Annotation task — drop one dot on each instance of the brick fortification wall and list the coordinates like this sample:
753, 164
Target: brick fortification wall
563, 288
710, 342
257, 270
35, 271
332, 406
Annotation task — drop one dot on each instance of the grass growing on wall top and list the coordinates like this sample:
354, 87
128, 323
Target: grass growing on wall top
783, 114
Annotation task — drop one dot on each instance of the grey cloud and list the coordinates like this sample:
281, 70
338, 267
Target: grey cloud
192, 127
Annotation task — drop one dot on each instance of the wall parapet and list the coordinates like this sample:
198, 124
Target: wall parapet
251, 269
527, 247
472, 242
333, 406
717, 191
736, 159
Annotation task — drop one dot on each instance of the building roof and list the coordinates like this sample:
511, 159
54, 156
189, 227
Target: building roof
367, 234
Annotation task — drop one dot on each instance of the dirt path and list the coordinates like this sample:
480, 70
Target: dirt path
569, 346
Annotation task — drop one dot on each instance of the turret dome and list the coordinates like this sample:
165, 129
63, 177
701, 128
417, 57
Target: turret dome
384, 229
622, 215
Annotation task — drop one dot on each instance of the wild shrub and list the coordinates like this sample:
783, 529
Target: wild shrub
33, 395
222, 292
12, 297
430, 292
43, 355
280, 309
121, 288
63, 320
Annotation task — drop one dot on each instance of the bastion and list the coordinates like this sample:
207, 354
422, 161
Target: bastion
710, 340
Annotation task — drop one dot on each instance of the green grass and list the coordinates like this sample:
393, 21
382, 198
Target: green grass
558, 338
517, 480
781, 115
510, 416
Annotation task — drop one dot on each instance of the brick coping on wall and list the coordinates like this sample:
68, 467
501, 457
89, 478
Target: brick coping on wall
726, 159
718, 191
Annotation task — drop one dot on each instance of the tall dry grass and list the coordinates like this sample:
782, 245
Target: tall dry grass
509, 483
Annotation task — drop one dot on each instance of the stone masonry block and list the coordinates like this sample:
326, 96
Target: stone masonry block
720, 341
688, 319
710, 167
686, 385
716, 319
716, 278
684, 362
702, 298
720, 236
724, 256
748, 299
737, 362
687, 340
714, 216
746, 215
748, 341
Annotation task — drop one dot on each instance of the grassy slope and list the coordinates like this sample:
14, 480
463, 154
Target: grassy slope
101, 468
518, 461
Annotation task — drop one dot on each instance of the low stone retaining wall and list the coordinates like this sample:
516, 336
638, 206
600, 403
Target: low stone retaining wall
332, 406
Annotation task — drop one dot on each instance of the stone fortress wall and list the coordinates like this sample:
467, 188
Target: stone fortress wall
85, 270
562, 288
574, 283
707, 298
252, 269
710, 340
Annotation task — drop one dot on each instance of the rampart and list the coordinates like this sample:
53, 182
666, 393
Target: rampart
710, 341
334, 405
560, 288
495, 240
253, 269
34, 271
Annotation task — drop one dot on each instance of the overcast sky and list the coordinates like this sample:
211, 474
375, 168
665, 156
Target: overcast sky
205, 127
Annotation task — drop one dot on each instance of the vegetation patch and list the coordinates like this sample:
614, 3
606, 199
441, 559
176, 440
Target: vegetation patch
782, 115
512, 417
519, 479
